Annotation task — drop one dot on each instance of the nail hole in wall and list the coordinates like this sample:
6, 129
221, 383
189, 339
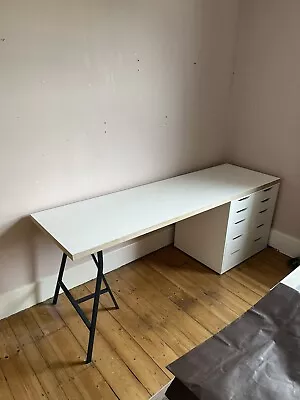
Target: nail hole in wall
2, 39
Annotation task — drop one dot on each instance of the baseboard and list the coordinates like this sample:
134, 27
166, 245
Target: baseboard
286, 244
26, 296
36, 292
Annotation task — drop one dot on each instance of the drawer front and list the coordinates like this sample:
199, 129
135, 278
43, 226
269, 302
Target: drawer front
260, 231
236, 250
263, 218
267, 196
235, 243
258, 243
240, 247
262, 206
231, 259
241, 208
238, 227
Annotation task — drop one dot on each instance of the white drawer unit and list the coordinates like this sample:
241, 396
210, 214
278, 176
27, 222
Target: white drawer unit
225, 236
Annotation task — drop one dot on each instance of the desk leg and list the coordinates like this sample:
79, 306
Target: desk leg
59, 279
100, 276
91, 325
110, 292
95, 306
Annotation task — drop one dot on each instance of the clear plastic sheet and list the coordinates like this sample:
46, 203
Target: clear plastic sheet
257, 357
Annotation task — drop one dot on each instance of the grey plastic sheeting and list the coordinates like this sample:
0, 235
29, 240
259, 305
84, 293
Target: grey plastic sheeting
257, 357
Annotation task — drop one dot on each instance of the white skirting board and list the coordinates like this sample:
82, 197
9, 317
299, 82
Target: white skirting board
286, 244
26, 296
36, 292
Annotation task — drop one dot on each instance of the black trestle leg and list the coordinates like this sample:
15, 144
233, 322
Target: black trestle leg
107, 287
110, 292
95, 306
91, 325
59, 279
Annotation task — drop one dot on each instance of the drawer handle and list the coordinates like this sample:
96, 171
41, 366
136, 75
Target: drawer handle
256, 240
244, 198
235, 251
263, 211
265, 200
243, 209
237, 237
268, 189
238, 222
259, 226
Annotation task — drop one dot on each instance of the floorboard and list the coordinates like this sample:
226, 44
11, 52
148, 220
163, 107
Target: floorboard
169, 303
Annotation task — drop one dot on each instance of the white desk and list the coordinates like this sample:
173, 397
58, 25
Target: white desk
85, 227
90, 226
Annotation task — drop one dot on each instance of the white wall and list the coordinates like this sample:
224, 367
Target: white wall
155, 75
265, 116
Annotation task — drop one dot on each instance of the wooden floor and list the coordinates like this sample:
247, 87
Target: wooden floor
169, 303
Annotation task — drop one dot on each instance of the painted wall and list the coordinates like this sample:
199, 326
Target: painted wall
266, 100
99, 95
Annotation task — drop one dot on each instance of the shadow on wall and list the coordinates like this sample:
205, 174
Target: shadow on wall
27, 246
17, 243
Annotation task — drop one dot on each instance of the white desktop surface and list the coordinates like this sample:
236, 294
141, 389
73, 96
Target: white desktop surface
88, 226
